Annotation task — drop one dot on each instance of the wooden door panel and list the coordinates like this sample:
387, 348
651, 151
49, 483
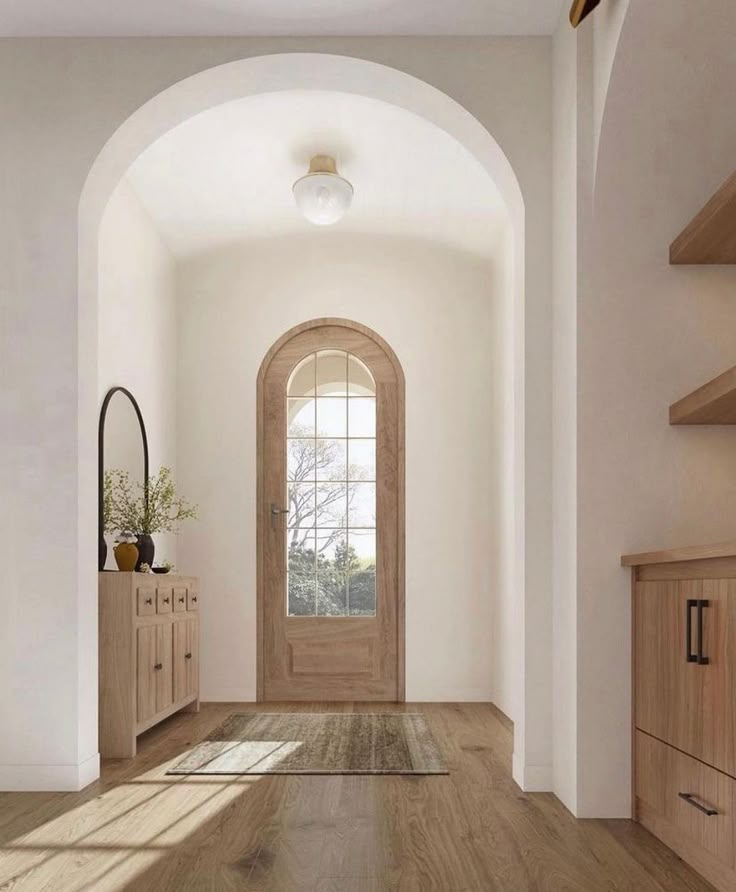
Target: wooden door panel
180, 663
191, 657
668, 688
718, 677
146, 660
331, 657
165, 671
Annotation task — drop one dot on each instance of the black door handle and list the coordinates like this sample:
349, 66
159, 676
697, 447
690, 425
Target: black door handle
690, 799
689, 655
702, 659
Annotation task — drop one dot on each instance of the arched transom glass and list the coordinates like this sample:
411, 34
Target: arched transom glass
331, 474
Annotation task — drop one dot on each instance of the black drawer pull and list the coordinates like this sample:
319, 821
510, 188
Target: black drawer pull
181, 600
690, 799
194, 599
158, 666
702, 659
166, 600
149, 600
187, 656
689, 655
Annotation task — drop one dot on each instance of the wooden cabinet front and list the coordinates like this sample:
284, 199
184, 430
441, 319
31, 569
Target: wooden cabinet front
186, 658
685, 664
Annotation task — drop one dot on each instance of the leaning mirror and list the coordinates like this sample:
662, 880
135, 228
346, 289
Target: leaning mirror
123, 447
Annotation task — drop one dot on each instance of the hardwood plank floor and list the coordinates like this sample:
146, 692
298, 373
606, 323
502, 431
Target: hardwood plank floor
471, 831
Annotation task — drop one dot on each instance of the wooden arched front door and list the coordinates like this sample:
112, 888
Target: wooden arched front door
330, 516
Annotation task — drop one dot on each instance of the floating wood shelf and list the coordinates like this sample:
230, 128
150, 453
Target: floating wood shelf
710, 237
713, 403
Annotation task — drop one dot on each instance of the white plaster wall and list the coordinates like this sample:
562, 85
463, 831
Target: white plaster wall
137, 333
648, 334
435, 307
62, 100
565, 283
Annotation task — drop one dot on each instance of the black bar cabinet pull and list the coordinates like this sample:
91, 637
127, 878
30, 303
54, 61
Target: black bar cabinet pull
690, 799
702, 659
689, 655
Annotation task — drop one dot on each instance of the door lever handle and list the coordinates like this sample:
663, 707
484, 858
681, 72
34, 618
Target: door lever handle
276, 512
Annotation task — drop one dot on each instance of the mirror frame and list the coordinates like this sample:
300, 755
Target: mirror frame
101, 460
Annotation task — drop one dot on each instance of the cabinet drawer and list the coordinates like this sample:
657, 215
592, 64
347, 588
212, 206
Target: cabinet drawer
180, 599
696, 801
192, 599
146, 601
164, 599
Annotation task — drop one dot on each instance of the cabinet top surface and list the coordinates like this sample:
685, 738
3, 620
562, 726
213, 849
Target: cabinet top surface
675, 555
161, 578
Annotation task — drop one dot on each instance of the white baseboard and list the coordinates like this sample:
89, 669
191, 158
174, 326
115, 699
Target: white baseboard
49, 778
532, 778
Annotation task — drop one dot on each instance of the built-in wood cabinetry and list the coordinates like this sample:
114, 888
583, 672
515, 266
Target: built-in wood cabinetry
684, 682
149, 654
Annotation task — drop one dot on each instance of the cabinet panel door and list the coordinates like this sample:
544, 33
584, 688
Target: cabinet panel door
192, 660
669, 689
164, 675
146, 665
718, 676
181, 644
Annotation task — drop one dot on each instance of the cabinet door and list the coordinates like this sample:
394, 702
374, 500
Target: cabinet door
147, 673
668, 687
718, 676
186, 659
165, 667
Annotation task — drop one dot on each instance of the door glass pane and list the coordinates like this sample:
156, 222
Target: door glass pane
362, 505
332, 574
302, 460
332, 417
332, 505
331, 459
301, 581
360, 380
361, 417
300, 417
302, 379
332, 373
331, 471
362, 460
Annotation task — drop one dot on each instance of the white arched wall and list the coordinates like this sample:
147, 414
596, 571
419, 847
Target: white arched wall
324, 72
62, 102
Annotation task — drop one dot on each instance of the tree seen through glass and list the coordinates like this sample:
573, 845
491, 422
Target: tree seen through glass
331, 483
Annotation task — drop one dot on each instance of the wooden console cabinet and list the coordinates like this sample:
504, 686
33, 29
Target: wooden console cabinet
148, 654
684, 685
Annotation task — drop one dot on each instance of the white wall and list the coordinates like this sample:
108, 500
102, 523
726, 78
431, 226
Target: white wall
435, 307
62, 102
137, 334
648, 334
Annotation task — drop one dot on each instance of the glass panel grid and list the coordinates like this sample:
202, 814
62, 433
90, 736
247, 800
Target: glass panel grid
331, 473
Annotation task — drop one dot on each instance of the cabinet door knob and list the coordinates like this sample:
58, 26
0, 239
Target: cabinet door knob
181, 600
166, 600
194, 599
187, 656
158, 666
149, 600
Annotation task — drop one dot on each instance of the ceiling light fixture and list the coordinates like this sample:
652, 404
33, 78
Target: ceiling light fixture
323, 196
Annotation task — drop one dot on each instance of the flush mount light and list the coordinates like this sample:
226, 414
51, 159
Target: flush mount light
323, 196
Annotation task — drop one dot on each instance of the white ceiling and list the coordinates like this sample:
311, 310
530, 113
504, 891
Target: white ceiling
226, 174
102, 18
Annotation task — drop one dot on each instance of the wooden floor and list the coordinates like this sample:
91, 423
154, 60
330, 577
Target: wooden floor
471, 831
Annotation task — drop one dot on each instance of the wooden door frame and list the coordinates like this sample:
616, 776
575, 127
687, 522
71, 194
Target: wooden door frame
400, 483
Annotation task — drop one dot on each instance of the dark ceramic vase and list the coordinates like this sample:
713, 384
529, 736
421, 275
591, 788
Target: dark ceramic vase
146, 551
102, 553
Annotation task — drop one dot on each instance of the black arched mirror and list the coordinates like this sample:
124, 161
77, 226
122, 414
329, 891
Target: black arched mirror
123, 446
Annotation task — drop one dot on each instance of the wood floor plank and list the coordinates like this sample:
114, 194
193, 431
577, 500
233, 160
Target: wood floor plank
138, 829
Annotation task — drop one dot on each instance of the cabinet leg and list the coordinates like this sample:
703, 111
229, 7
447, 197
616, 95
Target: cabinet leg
192, 707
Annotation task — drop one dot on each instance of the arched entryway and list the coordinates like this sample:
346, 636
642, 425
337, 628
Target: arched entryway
330, 510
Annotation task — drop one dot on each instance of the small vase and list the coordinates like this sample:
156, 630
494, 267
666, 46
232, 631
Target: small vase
126, 556
102, 553
146, 551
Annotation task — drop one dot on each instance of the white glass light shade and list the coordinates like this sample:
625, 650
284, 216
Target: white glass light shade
323, 196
